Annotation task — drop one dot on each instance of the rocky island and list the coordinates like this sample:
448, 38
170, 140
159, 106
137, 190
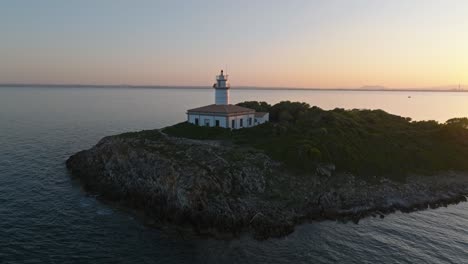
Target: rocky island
306, 164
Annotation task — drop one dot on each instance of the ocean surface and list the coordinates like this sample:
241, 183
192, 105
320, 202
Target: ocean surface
45, 217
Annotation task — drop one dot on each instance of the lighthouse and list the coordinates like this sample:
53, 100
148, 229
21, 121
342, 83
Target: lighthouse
221, 89
223, 114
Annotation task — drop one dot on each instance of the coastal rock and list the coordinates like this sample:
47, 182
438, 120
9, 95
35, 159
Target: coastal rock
218, 188
184, 182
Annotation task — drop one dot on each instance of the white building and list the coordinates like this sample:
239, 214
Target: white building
223, 114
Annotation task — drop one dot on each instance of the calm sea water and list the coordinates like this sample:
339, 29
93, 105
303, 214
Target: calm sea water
46, 218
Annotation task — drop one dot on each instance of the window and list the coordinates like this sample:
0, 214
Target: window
207, 122
196, 121
250, 121
217, 123
233, 124
241, 122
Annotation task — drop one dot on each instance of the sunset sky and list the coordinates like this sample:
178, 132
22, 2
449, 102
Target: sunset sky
316, 44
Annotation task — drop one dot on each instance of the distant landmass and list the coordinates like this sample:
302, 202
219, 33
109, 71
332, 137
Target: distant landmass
446, 88
374, 87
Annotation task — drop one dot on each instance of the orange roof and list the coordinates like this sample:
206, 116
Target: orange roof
222, 109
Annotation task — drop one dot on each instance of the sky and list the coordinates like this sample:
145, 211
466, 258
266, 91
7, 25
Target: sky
276, 43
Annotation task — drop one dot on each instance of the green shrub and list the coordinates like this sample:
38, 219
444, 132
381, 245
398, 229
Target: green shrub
365, 142
257, 106
192, 131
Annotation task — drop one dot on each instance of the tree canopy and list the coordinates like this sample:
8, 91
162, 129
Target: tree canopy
364, 142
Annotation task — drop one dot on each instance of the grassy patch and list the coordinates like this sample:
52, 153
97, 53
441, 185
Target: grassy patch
187, 130
144, 134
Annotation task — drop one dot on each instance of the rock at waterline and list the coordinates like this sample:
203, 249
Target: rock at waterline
214, 187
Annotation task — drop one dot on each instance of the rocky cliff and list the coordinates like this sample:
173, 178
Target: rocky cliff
217, 188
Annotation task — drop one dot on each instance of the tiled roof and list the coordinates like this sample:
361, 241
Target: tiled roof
222, 109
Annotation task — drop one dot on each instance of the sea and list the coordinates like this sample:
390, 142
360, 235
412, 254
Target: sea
45, 216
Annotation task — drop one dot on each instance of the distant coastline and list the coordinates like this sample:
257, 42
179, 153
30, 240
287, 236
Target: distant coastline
359, 89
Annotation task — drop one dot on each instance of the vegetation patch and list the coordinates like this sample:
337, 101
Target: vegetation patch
154, 134
187, 130
364, 142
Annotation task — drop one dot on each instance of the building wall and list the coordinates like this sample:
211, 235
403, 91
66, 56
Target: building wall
245, 121
261, 120
211, 120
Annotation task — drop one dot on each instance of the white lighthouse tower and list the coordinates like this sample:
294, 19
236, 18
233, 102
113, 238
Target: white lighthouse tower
223, 114
222, 89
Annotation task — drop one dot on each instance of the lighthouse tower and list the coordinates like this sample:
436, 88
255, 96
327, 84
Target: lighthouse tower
223, 114
221, 89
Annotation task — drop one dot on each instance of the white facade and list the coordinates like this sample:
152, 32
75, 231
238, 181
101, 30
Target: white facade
262, 119
222, 89
222, 96
241, 121
213, 120
207, 120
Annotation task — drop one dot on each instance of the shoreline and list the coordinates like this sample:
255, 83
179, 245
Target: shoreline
188, 231
144, 177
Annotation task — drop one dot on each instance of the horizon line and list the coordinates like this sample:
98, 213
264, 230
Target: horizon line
446, 88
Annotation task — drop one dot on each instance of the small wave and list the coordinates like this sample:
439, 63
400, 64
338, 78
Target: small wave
87, 202
104, 211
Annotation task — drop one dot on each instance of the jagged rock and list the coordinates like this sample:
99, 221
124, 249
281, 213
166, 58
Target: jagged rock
325, 170
220, 188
